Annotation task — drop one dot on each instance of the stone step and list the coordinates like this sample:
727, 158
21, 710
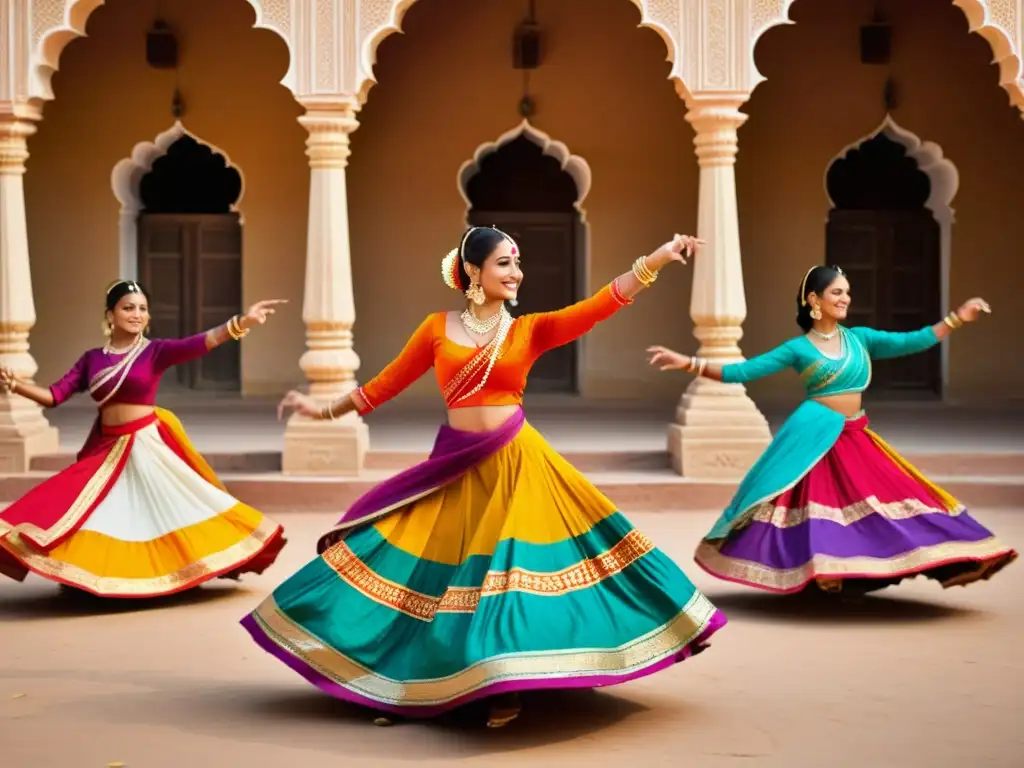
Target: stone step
961, 464
645, 490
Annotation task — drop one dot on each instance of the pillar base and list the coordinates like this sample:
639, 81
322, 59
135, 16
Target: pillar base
24, 434
325, 447
718, 434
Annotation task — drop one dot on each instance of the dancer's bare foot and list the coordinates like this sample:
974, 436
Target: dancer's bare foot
503, 710
382, 721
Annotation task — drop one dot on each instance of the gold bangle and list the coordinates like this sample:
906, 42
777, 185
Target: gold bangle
643, 273
327, 412
953, 320
235, 329
703, 365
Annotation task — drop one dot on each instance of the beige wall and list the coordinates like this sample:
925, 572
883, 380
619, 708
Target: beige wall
445, 87
107, 100
817, 99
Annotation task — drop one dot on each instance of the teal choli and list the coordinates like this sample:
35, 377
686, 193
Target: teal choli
812, 429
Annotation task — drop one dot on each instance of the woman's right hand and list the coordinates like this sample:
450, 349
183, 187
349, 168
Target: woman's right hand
7, 379
300, 403
667, 360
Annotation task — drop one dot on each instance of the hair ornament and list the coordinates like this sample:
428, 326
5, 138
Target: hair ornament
803, 287
133, 287
450, 270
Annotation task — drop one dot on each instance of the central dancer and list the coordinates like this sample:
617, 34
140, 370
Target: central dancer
493, 566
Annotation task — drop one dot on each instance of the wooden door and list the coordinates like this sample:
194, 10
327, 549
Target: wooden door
548, 245
191, 264
892, 260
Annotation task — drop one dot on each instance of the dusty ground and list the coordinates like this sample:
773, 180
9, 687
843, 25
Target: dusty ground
914, 677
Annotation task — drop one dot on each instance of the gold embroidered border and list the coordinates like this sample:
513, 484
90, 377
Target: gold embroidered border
191, 575
790, 517
582, 575
749, 572
662, 642
86, 499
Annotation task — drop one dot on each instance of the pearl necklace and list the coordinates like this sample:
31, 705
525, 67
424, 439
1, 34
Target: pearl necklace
473, 324
109, 350
825, 336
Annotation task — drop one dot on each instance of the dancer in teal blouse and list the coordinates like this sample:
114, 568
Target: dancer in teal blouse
829, 502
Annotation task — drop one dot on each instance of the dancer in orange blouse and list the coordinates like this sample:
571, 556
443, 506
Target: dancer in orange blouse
494, 566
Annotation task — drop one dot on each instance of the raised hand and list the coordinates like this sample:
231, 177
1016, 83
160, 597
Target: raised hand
300, 403
679, 248
970, 310
667, 360
261, 310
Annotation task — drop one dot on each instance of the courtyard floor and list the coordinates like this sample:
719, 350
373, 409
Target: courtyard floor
915, 676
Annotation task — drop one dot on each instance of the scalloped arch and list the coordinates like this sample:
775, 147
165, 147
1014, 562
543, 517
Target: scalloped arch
392, 23
980, 19
945, 183
577, 167
126, 177
49, 41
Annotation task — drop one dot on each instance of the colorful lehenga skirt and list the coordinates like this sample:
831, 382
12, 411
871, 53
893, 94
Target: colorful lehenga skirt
492, 567
860, 519
139, 514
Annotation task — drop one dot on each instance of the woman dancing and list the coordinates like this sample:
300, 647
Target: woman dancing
829, 503
494, 566
140, 513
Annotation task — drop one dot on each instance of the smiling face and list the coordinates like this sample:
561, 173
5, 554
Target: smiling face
130, 315
834, 301
501, 275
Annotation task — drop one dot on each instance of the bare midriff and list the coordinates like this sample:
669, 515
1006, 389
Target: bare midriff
848, 404
116, 414
480, 418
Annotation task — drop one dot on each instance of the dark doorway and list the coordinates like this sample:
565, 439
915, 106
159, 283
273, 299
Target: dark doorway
889, 245
190, 255
526, 193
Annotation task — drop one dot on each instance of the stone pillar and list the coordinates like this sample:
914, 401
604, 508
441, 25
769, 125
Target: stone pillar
24, 430
329, 362
718, 431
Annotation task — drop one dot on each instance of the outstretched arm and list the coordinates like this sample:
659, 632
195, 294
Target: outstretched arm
415, 359
553, 329
171, 352
882, 345
755, 368
49, 397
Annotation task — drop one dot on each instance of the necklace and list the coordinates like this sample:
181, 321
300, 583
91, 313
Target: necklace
473, 324
109, 350
825, 336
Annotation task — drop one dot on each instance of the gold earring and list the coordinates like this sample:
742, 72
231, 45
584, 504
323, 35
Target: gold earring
815, 312
475, 293
108, 329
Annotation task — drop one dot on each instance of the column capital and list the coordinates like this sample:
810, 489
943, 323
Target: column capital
329, 124
716, 118
14, 133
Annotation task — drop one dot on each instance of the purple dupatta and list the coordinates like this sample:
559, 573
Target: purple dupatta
453, 454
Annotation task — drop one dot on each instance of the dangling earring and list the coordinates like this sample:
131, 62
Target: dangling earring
476, 294
815, 312
108, 329
145, 331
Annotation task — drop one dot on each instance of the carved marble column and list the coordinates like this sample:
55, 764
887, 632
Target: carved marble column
329, 363
718, 431
24, 430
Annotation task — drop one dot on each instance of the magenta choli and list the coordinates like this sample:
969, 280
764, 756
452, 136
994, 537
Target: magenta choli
131, 377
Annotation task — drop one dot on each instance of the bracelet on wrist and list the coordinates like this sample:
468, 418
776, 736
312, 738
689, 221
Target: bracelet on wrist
643, 273
235, 329
953, 321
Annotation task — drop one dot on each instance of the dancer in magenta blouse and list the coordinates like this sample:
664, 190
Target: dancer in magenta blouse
140, 513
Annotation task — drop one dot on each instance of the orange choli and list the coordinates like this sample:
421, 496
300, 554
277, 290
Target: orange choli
528, 338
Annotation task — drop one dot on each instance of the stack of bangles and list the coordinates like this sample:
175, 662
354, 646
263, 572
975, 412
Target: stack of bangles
953, 321
697, 364
327, 412
643, 273
235, 329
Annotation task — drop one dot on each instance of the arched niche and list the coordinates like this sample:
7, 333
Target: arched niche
944, 182
379, 19
1000, 22
126, 179
555, 210
55, 23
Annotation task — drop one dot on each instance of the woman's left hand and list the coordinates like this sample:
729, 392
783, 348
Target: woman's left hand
679, 248
260, 311
970, 310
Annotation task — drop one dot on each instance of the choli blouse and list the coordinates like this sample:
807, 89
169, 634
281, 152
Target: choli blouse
133, 376
528, 338
822, 375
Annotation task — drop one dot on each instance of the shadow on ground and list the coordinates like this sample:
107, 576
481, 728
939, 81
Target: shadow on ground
280, 715
68, 603
818, 608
